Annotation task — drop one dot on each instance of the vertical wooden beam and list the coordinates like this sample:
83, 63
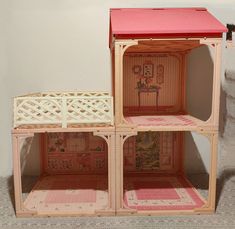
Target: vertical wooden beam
121, 137
17, 173
181, 156
120, 48
118, 85
109, 137
184, 76
216, 45
16, 149
112, 172
216, 84
42, 151
213, 171
119, 171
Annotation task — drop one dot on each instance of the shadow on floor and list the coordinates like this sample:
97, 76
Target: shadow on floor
10, 188
27, 185
223, 178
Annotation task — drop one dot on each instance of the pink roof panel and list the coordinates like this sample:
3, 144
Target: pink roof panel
134, 22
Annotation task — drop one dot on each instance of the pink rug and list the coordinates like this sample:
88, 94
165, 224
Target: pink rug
69, 193
160, 193
162, 120
72, 191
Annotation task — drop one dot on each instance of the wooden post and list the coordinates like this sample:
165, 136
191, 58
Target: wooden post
16, 144
109, 137
120, 48
121, 137
17, 173
213, 171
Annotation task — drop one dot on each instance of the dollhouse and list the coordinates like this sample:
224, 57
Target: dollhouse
152, 51
94, 162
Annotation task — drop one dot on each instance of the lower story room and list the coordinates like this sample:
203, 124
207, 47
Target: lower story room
66, 173
159, 172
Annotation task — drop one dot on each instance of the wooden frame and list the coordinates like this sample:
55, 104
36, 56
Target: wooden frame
19, 135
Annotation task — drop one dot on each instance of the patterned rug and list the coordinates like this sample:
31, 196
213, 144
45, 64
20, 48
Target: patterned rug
162, 120
224, 217
69, 193
160, 193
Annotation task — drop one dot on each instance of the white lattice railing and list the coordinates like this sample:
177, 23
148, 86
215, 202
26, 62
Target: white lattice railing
63, 108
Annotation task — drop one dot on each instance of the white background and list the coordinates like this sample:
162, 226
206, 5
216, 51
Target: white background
63, 45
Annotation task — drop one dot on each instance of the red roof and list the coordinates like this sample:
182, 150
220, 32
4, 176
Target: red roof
164, 22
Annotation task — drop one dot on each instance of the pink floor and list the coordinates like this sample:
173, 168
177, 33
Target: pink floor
160, 193
162, 120
87, 193
69, 193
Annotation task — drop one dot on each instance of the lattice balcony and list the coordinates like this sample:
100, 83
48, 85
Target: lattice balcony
63, 109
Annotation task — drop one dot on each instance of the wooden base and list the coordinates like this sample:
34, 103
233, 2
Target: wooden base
165, 213
24, 214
